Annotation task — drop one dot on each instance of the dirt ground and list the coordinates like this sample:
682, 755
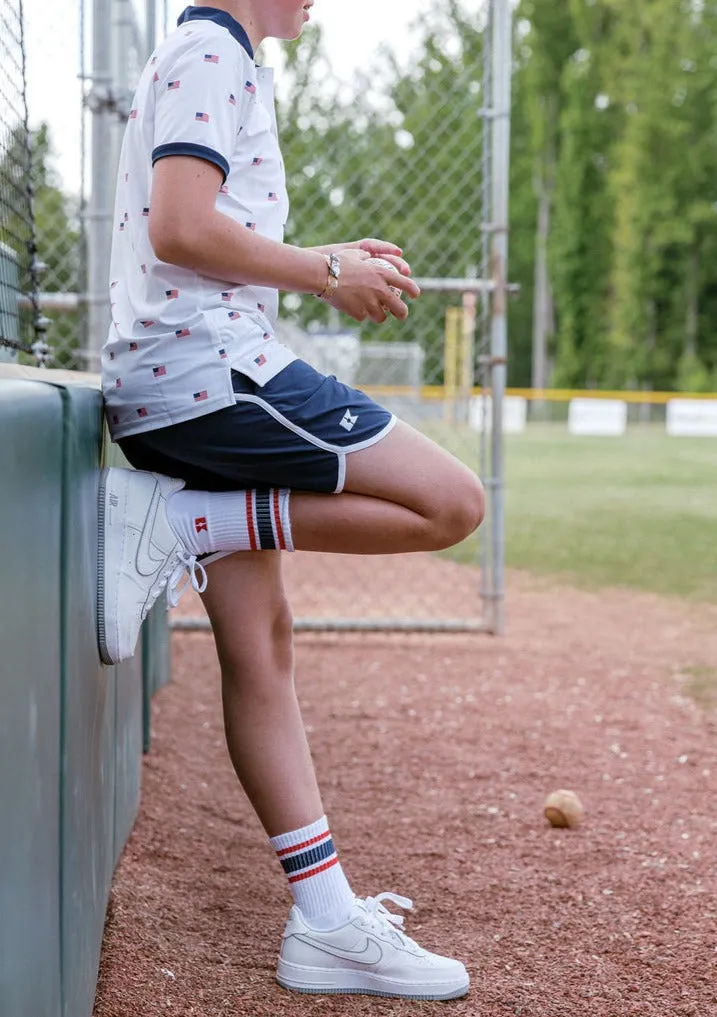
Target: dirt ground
435, 754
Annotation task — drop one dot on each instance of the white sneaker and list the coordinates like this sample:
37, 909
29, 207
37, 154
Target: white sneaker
367, 955
139, 555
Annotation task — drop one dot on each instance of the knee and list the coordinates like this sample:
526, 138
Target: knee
462, 511
265, 653
282, 637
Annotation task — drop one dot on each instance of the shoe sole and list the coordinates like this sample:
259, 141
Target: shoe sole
104, 651
358, 983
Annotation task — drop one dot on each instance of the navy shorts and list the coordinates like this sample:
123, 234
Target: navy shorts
295, 431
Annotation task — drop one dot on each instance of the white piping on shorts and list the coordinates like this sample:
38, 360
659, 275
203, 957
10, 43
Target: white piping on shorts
339, 451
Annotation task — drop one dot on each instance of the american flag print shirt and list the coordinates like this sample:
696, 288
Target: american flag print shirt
175, 335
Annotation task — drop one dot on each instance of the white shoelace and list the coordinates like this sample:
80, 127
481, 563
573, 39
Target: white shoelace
186, 568
377, 912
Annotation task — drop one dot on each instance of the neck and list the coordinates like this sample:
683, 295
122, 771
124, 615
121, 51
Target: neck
242, 11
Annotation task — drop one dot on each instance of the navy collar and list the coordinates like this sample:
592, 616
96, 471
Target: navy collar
222, 18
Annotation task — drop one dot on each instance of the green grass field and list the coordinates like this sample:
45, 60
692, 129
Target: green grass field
638, 511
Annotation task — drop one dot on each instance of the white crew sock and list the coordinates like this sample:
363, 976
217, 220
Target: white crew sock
316, 880
208, 521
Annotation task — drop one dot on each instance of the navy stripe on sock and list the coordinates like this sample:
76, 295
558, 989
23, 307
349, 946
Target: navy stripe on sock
263, 521
308, 858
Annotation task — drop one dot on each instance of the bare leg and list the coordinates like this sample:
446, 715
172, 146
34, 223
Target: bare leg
265, 734
403, 494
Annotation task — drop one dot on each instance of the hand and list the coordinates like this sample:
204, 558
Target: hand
375, 248
367, 290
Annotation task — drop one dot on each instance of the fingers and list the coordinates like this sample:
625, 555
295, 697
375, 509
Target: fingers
395, 306
379, 247
404, 283
400, 263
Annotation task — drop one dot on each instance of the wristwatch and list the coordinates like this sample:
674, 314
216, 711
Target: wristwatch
333, 263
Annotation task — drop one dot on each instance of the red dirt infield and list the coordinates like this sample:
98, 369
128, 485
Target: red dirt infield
435, 754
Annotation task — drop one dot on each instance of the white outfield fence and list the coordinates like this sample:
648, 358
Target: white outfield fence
595, 413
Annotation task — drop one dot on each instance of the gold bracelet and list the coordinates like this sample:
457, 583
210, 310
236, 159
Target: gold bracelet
333, 265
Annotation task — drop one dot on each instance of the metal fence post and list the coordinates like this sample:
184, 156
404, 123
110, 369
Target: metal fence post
100, 205
502, 67
151, 26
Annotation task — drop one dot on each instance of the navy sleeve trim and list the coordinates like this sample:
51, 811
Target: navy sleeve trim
188, 148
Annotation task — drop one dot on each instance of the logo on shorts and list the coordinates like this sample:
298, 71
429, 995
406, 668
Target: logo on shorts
348, 421
200, 524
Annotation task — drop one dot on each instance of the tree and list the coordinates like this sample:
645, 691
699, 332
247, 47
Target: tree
664, 189
580, 243
550, 40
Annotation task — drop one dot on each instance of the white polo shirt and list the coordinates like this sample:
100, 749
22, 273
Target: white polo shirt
175, 335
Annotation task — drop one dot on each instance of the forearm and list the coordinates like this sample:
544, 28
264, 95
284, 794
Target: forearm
223, 249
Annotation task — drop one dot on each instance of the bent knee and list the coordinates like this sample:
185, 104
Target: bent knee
264, 651
282, 635
461, 512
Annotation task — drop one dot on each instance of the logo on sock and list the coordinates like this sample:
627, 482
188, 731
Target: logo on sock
348, 421
200, 524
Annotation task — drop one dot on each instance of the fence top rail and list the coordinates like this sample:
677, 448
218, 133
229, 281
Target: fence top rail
562, 395
50, 375
559, 395
556, 395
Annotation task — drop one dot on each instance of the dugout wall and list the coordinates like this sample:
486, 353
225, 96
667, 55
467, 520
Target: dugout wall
71, 731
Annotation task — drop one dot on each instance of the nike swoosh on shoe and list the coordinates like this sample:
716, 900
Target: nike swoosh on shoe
367, 956
146, 563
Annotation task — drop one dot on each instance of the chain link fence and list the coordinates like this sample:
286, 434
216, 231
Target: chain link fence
417, 154
45, 158
414, 151
65, 97
22, 324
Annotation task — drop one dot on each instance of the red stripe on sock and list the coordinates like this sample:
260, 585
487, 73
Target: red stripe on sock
314, 872
304, 845
277, 521
253, 542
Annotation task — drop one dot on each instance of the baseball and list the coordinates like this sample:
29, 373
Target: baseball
563, 809
386, 264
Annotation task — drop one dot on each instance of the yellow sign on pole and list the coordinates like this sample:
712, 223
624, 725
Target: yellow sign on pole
451, 362
458, 360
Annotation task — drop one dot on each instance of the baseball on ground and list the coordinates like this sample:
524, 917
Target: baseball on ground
563, 809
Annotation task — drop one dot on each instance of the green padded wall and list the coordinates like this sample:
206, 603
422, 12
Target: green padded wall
129, 693
30, 508
128, 748
102, 707
71, 731
156, 661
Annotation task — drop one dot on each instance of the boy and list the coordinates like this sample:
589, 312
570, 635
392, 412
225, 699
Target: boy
268, 455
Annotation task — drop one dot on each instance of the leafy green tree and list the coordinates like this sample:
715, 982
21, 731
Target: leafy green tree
523, 212
548, 42
613, 181
664, 188
580, 244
